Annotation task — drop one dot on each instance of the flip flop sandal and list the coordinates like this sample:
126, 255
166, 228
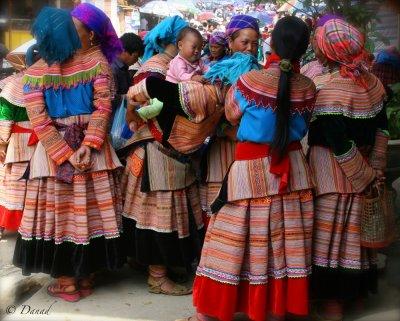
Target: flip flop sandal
177, 289
66, 296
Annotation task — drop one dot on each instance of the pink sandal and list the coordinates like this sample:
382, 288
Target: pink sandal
57, 290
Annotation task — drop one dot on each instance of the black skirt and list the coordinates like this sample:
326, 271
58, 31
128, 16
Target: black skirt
343, 284
67, 258
149, 247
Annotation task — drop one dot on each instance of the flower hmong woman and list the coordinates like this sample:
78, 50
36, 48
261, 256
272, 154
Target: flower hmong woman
348, 140
71, 220
17, 144
162, 220
256, 257
242, 33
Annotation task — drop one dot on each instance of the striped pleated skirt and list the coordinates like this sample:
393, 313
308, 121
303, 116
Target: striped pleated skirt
256, 258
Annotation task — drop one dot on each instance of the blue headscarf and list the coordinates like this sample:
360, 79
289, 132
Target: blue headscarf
56, 35
228, 71
165, 32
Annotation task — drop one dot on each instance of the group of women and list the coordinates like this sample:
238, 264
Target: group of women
275, 215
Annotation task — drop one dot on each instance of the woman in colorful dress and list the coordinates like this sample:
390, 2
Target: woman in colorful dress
242, 33
72, 216
162, 220
348, 139
17, 143
256, 257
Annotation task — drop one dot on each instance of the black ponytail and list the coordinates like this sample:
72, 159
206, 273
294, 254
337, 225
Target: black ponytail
290, 40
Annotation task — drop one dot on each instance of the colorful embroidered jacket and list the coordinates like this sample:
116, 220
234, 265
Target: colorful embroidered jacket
252, 104
78, 91
348, 135
15, 128
190, 114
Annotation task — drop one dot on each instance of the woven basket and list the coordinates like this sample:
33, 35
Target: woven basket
378, 223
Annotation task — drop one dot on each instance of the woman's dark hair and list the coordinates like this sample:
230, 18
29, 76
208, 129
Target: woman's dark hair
132, 43
185, 31
290, 39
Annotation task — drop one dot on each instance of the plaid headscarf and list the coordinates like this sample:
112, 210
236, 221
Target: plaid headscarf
339, 41
218, 38
240, 22
327, 17
97, 21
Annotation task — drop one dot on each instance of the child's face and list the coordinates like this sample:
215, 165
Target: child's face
217, 51
190, 47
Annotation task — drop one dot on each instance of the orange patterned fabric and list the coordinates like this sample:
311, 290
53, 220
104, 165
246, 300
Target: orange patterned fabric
160, 211
341, 96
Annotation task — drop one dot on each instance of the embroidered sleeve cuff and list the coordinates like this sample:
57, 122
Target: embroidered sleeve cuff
356, 168
138, 92
378, 157
62, 155
96, 131
5, 131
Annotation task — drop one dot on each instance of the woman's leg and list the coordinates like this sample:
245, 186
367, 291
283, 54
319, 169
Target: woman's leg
159, 282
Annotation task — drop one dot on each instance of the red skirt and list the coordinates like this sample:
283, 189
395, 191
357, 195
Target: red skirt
10, 219
277, 298
256, 258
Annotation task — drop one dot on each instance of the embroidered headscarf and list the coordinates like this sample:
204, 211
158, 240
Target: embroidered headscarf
341, 42
164, 33
229, 70
56, 35
240, 22
218, 38
97, 21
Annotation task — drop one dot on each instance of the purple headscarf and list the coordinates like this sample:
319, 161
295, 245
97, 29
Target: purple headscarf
97, 21
327, 17
218, 38
240, 22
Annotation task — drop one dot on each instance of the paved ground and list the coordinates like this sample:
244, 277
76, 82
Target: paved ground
123, 296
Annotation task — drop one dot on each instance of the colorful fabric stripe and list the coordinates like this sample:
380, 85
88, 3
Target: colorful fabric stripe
157, 64
336, 239
244, 240
252, 87
88, 208
356, 168
159, 211
13, 90
81, 68
341, 96
378, 156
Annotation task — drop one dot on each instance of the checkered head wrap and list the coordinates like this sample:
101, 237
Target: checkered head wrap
341, 42
240, 22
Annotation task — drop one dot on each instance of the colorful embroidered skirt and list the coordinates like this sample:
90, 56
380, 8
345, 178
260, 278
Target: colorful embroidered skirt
342, 268
12, 196
257, 253
220, 155
71, 229
160, 227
